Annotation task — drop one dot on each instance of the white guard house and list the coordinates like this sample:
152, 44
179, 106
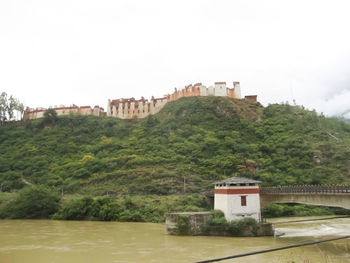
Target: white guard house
238, 197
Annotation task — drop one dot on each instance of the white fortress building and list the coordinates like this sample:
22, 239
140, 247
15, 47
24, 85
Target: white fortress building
31, 114
238, 198
130, 107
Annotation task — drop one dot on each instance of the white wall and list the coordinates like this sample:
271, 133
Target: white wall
220, 203
109, 108
235, 211
230, 204
237, 87
220, 90
203, 90
211, 91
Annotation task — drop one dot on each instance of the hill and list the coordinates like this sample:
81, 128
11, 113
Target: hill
183, 149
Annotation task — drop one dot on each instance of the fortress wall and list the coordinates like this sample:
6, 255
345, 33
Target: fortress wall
251, 98
210, 91
231, 93
128, 108
158, 105
237, 89
109, 108
220, 89
31, 114
39, 114
86, 110
203, 91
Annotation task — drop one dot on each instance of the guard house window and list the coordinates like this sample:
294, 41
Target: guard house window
244, 200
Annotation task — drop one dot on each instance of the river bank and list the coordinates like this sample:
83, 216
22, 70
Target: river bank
55, 241
38, 202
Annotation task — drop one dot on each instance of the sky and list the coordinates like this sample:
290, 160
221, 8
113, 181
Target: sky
85, 52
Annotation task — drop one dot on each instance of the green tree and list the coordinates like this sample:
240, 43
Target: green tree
50, 117
3, 108
34, 202
9, 107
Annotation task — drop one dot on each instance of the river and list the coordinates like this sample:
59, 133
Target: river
49, 241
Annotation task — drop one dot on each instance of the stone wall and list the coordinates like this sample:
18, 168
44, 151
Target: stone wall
193, 224
186, 223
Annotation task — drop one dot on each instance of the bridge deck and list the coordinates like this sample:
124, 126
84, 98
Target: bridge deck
306, 189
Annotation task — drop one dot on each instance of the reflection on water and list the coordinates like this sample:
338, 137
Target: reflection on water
82, 241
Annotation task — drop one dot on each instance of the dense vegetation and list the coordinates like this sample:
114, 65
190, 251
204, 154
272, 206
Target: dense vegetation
31, 202
39, 202
218, 225
182, 150
280, 210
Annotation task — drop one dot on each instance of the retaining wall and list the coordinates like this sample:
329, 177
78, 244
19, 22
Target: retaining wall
192, 224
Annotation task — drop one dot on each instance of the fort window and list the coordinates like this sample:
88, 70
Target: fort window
243, 200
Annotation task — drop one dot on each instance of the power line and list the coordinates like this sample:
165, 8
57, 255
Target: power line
273, 249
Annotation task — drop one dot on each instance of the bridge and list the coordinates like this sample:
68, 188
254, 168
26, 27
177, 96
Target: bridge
331, 195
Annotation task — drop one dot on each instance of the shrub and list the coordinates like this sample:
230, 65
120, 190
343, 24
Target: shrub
280, 210
218, 225
34, 202
246, 223
50, 117
79, 209
273, 210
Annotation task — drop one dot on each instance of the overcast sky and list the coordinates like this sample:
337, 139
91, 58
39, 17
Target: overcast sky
84, 52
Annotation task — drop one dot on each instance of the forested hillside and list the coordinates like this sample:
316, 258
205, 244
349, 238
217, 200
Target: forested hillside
183, 149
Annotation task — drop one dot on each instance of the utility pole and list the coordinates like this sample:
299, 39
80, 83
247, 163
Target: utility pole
184, 183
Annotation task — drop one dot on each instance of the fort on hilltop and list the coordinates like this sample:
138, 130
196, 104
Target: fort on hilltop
131, 108
37, 113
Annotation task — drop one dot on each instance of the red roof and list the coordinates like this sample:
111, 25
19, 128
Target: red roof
35, 111
65, 108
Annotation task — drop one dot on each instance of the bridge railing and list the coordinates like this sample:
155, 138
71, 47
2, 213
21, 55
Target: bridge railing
310, 189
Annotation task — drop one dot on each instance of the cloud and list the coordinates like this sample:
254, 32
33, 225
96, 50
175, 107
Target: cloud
337, 105
85, 52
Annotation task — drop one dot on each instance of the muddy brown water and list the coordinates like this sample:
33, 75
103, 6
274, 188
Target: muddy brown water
39, 241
